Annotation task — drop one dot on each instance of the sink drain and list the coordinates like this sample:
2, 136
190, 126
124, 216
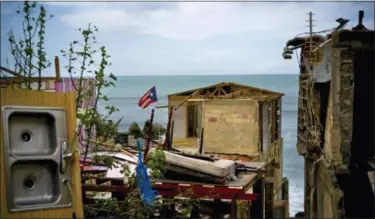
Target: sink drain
29, 182
25, 136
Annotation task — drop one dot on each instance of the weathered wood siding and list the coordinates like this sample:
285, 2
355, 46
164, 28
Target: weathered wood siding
231, 126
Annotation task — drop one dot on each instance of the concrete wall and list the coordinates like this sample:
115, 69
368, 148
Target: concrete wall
328, 180
328, 193
231, 126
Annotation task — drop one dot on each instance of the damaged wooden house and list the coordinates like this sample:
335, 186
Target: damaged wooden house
336, 120
226, 148
236, 122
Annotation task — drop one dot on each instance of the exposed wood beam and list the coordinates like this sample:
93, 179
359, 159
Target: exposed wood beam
215, 91
183, 101
22, 79
233, 94
223, 91
10, 71
165, 106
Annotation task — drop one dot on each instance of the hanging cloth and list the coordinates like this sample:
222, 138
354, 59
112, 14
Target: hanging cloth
143, 181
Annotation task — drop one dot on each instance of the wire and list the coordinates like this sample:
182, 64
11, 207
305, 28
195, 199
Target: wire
322, 31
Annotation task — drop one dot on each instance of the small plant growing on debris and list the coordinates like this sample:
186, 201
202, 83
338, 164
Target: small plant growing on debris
28, 52
81, 65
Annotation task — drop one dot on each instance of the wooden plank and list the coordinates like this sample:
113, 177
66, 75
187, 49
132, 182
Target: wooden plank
10, 71
269, 180
46, 99
22, 79
245, 180
182, 191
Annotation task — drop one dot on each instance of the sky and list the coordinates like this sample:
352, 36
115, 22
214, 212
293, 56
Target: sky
187, 38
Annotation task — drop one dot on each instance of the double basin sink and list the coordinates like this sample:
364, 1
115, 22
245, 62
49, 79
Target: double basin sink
37, 168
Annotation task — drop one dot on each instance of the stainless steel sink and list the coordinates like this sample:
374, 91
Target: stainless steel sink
35, 140
32, 134
35, 183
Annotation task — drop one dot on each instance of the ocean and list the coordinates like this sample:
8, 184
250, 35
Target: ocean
129, 89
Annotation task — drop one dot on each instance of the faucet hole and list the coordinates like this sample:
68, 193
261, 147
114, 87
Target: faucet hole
25, 136
29, 182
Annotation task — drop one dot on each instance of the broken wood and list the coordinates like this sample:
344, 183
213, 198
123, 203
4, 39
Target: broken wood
201, 142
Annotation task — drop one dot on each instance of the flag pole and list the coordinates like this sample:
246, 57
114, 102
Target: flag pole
147, 146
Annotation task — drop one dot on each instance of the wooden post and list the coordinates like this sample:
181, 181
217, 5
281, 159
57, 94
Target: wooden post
269, 193
216, 213
171, 137
167, 143
201, 142
257, 207
234, 207
149, 136
57, 68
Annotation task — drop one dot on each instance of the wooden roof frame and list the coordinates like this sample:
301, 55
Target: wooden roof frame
220, 93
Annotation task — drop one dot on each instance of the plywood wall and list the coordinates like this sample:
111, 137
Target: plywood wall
231, 126
180, 121
46, 99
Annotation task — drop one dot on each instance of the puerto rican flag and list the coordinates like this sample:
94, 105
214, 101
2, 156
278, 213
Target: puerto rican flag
149, 98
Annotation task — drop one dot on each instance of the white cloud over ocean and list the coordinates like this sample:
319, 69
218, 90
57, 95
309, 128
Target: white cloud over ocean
201, 37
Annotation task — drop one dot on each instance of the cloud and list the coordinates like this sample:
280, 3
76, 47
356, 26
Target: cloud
191, 21
82, 3
214, 54
151, 38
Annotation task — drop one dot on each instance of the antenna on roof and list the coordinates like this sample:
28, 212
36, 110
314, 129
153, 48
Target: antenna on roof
311, 25
311, 44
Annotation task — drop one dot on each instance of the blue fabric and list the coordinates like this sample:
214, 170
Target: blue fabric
143, 182
142, 142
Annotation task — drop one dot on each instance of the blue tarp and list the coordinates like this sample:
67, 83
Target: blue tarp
143, 181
